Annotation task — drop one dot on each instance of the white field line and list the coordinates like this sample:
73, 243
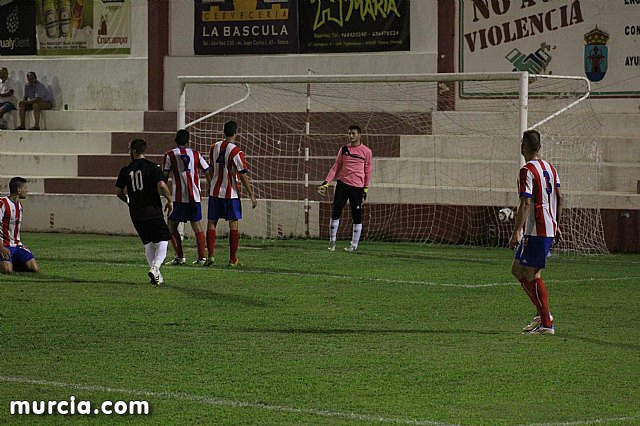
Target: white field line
224, 402
277, 408
389, 280
588, 422
431, 283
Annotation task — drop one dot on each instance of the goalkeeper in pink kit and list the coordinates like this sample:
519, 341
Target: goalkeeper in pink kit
352, 170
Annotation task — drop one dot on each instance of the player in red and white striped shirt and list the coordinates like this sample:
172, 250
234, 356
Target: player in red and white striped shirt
535, 228
183, 164
227, 167
13, 254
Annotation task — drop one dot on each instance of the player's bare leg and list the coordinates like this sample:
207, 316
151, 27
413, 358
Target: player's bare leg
6, 268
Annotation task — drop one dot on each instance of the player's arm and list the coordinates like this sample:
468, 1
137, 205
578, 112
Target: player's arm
203, 164
163, 190
166, 168
521, 217
367, 174
4, 252
333, 172
560, 204
244, 178
121, 184
120, 193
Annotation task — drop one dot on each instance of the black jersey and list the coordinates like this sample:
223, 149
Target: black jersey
141, 179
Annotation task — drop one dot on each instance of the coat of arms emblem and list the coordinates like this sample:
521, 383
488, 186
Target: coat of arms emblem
596, 54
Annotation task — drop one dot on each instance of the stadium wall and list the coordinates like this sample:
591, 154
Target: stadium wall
79, 213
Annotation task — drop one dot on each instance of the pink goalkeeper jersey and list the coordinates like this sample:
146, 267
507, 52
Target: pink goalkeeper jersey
185, 164
228, 162
352, 166
538, 180
11, 216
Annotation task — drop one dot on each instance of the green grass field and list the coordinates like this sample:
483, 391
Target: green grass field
398, 333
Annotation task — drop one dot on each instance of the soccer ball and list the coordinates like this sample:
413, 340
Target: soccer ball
506, 214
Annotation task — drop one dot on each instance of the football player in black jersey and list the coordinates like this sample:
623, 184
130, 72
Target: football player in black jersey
144, 183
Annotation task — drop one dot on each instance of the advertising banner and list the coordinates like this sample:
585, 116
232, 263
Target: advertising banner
328, 26
17, 27
595, 39
83, 27
232, 27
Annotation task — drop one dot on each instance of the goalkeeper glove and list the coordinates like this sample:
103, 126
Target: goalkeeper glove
322, 189
365, 190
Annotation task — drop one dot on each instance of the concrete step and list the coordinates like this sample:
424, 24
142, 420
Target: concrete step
617, 177
160, 121
85, 120
475, 173
37, 165
80, 185
157, 142
54, 142
508, 197
106, 165
106, 214
612, 148
65, 185
506, 123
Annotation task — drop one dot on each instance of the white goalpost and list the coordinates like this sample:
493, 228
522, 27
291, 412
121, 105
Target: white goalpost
445, 146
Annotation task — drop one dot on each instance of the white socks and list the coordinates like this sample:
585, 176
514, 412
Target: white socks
333, 229
156, 253
150, 252
357, 230
355, 239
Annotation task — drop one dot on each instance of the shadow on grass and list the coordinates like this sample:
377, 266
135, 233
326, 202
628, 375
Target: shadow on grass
44, 278
206, 294
619, 345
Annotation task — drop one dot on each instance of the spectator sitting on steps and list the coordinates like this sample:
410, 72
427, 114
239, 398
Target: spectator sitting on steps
7, 98
37, 98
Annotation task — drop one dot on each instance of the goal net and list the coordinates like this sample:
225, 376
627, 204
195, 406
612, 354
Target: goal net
446, 150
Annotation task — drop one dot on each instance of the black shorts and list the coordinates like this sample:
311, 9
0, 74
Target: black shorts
152, 230
345, 193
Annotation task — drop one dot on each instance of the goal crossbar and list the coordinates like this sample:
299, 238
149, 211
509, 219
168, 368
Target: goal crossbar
524, 77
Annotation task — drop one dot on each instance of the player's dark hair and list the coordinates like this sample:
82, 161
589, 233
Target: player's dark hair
532, 139
230, 128
182, 137
15, 184
356, 128
138, 145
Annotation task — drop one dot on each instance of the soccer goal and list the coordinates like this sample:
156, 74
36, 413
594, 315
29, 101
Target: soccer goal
446, 150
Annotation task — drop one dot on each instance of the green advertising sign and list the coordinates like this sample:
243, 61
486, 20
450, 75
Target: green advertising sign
83, 27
